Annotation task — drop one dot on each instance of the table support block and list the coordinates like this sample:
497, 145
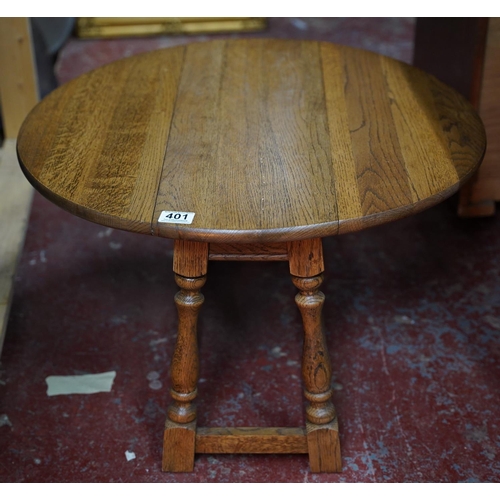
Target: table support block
305, 257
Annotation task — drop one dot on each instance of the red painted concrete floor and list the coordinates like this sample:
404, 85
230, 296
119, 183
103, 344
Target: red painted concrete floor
413, 322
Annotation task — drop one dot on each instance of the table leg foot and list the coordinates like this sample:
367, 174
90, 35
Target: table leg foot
179, 447
324, 447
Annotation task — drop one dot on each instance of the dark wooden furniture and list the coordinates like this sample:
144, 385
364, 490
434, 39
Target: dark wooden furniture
464, 52
251, 149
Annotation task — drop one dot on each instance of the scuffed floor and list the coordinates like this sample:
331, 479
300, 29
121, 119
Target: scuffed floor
413, 324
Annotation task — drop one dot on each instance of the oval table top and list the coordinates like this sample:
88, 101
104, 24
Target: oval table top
263, 140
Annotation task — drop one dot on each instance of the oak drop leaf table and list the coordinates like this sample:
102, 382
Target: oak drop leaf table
250, 150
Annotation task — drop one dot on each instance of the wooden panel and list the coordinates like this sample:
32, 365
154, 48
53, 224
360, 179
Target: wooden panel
15, 202
188, 166
460, 127
103, 140
245, 163
251, 440
295, 147
18, 94
420, 134
18, 80
381, 176
135, 178
394, 112
347, 193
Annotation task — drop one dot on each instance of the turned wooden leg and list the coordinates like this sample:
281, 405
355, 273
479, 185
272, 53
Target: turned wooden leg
180, 426
322, 428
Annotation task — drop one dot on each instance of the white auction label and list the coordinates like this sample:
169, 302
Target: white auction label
176, 217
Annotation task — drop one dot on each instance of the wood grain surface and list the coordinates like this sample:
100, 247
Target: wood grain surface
18, 76
251, 440
264, 140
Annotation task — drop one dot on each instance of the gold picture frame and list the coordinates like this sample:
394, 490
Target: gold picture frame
114, 27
